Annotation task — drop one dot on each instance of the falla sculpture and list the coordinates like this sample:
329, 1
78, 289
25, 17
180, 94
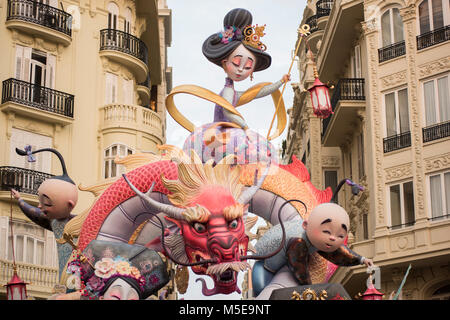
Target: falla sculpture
191, 205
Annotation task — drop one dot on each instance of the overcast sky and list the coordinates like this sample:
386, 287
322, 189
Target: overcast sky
195, 20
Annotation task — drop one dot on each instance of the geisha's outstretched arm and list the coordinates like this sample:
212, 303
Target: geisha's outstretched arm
265, 91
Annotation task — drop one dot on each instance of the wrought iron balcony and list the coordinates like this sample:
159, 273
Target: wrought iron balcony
323, 8
436, 131
41, 14
117, 40
23, 180
397, 142
312, 22
346, 89
37, 97
391, 51
432, 38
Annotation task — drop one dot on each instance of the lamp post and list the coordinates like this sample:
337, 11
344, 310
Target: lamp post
16, 288
320, 97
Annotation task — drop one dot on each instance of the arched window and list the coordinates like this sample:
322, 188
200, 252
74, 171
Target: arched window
433, 14
391, 27
111, 169
113, 13
127, 21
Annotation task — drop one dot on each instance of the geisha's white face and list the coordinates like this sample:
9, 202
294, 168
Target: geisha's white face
239, 64
120, 290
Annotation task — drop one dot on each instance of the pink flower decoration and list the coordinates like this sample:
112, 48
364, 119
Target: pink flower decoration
104, 268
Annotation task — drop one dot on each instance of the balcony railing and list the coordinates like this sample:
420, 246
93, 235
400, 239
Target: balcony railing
38, 97
312, 22
41, 14
403, 225
23, 180
431, 38
392, 51
346, 89
323, 8
111, 39
436, 131
397, 142
38, 277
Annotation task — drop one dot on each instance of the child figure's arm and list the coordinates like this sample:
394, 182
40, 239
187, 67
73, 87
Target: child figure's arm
343, 256
34, 214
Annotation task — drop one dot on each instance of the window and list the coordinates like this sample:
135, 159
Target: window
111, 169
127, 21
397, 113
436, 100
128, 91
365, 226
330, 177
350, 166
113, 12
401, 198
391, 27
356, 62
28, 243
440, 195
433, 14
361, 169
35, 66
110, 88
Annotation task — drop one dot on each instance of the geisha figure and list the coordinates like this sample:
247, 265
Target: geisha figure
239, 51
107, 270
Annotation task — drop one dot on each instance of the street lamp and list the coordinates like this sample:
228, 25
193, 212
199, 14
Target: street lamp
320, 97
16, 288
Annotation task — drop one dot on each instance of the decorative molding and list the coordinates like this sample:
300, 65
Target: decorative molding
376, 131
408, 12
393, 80
398, 172
369, 26
330, 161
434, 67
415, 111
437, 163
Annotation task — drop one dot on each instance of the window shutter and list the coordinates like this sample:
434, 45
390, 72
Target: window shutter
358, 61
50, 74
19, 62
53, 3
4, 233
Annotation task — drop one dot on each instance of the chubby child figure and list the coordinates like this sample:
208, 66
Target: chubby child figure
325, 232
57, 197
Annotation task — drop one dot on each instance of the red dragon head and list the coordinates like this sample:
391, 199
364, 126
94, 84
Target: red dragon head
208, 207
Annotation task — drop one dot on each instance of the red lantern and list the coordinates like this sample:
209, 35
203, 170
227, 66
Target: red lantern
372, 293
320, 98
16, 289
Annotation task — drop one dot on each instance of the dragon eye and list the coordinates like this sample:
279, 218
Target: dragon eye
199, 227
233, 224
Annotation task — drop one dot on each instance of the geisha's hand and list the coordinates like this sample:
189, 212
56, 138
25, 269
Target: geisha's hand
286, 78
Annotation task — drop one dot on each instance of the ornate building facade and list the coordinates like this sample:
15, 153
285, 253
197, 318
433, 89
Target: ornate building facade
88, 78
390, 132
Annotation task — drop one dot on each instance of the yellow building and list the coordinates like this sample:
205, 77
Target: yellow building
389, 62
88, 78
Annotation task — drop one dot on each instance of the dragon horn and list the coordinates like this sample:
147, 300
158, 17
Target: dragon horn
248, 194
171, 211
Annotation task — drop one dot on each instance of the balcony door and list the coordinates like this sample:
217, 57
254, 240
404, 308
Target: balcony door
38, 69
391, 27
433, 14
113, 13
21, 138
